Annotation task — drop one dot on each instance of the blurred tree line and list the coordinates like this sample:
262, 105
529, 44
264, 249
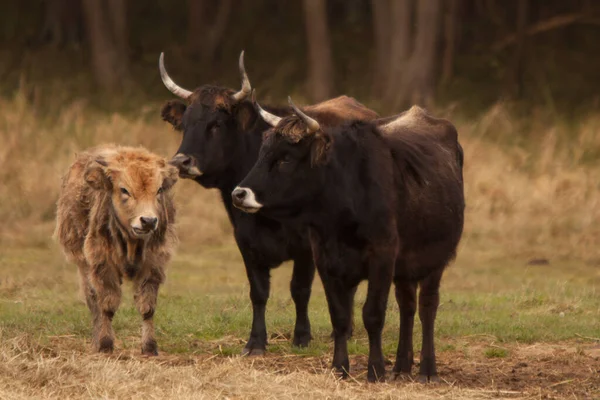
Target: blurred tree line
392, 52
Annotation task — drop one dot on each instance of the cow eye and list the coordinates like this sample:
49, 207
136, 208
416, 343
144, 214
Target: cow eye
160, 190
125, 192
284, 160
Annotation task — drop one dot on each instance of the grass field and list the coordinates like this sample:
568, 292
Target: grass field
520, 308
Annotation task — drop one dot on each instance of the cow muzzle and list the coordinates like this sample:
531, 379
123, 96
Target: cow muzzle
186, 166
245, 200
144, 225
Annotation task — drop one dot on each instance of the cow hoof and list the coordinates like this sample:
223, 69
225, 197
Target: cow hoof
150, 348
428, 379
302, 340
403, 376
106, 345
253, 352
376, 373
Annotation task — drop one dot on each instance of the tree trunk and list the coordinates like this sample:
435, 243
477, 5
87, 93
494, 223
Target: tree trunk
400, 45
117, 12
451, 27
206, 26
320, 64
418, 79
381, 35
109, 69
514, 76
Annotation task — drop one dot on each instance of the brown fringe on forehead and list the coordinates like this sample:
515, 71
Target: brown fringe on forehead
292, 128
213, 97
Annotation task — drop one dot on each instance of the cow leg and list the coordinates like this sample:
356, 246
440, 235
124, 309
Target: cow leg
429, 299
406, 296
107, 285
145, 300
380, 267
338, 300
301, 286
260, 281
351, 329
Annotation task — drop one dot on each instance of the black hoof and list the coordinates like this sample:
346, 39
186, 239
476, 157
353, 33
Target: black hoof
150, 348
428, 379
253, 352
106, 345
302, 340
376, 373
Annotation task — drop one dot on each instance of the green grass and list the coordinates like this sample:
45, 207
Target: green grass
204, 305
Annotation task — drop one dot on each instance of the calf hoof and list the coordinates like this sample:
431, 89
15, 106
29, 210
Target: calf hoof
301, 339
106, 345
428, 379
150, 348
376, 373
247, 351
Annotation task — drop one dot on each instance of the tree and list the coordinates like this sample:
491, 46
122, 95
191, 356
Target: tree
105, 21
207, 22
320, 64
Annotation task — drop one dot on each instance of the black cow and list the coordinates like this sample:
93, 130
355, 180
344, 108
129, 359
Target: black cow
381, 201
222, 133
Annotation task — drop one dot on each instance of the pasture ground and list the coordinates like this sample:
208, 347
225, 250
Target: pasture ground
520, 308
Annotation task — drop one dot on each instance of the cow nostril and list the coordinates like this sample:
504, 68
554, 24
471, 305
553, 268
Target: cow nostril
148, 222
187, 162
240, 194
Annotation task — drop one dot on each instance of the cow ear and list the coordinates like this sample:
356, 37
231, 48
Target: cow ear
170, 176
172, 112
96, 175
319, 153
245, 115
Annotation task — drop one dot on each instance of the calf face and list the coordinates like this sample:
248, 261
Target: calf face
135, 191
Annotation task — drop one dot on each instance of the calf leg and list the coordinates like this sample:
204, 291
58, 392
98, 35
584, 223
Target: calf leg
301, 287
107, 284
260, 281
406, 296
145, 300
429, 299
380, 267
91, 299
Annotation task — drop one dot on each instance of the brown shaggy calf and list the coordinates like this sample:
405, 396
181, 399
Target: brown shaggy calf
115, 219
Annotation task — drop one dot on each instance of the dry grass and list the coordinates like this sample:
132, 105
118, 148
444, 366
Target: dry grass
537, 199
28, 370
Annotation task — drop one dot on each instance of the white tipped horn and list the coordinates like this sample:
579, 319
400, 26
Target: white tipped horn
172, 86
246, 87
311, 125
269, 118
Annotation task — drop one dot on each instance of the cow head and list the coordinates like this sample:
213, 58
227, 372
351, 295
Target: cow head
136, 183
288, 172
210, 119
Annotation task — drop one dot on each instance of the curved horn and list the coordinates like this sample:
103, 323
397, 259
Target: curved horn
246, 87
269, 118
311, 124
172, 86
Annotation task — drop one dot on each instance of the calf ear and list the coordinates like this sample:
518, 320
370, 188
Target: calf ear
319, 153
95, 175
172, 112
170, 174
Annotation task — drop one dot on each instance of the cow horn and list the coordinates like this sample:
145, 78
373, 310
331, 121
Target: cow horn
311, 124
269, 118
246, 87
172, 86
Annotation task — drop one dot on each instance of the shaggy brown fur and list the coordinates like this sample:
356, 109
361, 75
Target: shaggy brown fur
105, 194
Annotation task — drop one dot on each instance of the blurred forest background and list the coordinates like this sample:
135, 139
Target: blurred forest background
518, 78
463, 54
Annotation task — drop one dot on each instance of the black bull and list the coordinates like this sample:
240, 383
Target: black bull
382, 201
222, 134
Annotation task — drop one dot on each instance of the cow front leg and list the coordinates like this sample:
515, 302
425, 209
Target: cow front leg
380, 264
351, 328
339, 303
301, 286
429, 300
106, 282
259, 279
145, 298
